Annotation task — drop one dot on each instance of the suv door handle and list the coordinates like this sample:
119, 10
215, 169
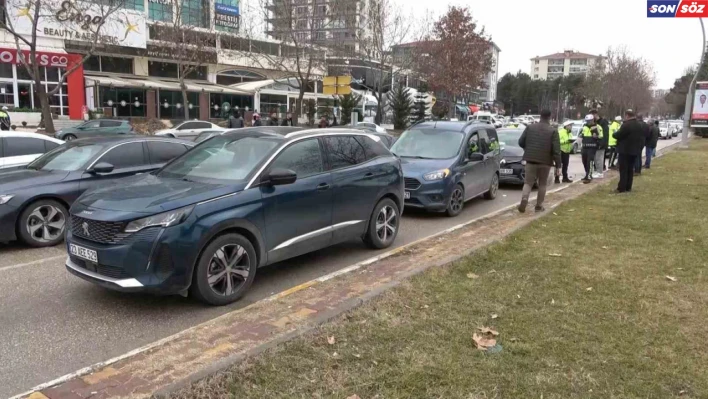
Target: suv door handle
368, 174
323, 186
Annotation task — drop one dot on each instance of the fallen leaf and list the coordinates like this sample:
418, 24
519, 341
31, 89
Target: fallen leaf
487, 330
555, 213
571, 210
494, 316
553, 301
682, 392
689, 239
334, 354
472, 275
543, 225
426, 306
356, 355
588, 289
518, 296
555, 255
605, 247
330, 340
355, 396
492, 271
513, 339
482, 342
671, 278
375, 362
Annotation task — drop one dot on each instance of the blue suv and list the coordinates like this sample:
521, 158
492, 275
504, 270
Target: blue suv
207, 220
448, 163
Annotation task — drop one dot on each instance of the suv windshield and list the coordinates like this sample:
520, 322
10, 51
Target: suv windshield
509, 138
221, 159
67, 158
428, 144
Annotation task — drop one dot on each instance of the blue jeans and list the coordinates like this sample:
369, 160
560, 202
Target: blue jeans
650, 153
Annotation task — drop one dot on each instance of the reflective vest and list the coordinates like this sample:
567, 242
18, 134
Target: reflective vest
588, 140
614, 127
566, 140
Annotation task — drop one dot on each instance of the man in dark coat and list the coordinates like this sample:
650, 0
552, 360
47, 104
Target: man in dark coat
288, 120
651, 143
273, 119
630, 140
235, 121
647, 133
541, 146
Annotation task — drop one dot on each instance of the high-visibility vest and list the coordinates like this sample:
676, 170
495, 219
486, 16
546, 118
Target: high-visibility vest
566, 141
614, 127
588, 140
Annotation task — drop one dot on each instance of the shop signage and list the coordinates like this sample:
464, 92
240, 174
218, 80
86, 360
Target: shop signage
11, 56
226, 15
80, 21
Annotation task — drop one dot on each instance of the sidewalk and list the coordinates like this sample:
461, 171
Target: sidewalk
606, 296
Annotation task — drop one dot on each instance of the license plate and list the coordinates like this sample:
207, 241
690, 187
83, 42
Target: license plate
85, 253
506, 171
407, 195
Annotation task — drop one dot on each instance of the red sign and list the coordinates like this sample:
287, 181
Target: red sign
10, 56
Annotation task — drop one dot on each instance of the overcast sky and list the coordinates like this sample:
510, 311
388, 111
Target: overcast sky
524, 29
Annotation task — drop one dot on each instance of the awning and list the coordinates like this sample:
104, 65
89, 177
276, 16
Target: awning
474, 108
152, 83
252, 87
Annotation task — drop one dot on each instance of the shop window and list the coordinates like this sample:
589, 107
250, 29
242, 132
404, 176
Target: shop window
24, 95
117, 65
22, 73
199, 73
221, 105
52, 74
7, 96
160, 10
172, 104
5, 70
92, 63
162, 69
138, 5
125, 102
196, 13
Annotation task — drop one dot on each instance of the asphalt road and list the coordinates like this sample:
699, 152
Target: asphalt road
52, 323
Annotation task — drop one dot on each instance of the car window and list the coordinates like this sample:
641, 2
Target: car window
50, 145
483, 141
473, 143
67, 158
428, 144
125, 156
344, 151
91, 124
372, 148
162, 152
201, 125
186, 125
18, 146
303, 157
110, 123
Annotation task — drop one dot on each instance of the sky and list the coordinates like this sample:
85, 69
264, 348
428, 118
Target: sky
524, 29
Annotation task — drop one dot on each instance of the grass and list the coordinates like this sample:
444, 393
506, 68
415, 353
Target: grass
600, 321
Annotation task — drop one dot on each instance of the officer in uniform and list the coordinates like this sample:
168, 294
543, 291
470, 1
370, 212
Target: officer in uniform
612, 142
592, 136
5, 119
566, 142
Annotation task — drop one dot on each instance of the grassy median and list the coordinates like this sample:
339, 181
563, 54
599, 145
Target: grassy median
607, 297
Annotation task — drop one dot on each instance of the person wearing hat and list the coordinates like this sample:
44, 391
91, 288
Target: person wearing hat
257, 120
599, 162
612, 141
566, 146
4, 119
592, 136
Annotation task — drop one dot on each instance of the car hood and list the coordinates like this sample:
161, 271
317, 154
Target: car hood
512, 152
413, 167
152, 194
16, 179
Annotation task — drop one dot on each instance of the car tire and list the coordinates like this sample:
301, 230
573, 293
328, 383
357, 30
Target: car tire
493, 188
456, 202
69, 137
227, 260
384, 224
42, 223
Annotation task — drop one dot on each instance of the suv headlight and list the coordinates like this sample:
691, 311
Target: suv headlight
166, 219
437, 175
5, 198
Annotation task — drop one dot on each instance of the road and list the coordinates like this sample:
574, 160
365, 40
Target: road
52, 323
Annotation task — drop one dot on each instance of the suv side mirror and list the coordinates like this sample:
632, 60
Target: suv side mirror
101, 167
279, 177
475, 157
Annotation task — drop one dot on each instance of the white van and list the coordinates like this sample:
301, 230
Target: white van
481, 116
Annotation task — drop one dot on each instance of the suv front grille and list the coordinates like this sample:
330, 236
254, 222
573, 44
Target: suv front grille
103, 270
98, 231
411, 183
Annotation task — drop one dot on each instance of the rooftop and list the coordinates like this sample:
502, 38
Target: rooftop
566, 54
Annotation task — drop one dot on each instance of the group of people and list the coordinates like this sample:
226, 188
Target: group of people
236, 120
623, 140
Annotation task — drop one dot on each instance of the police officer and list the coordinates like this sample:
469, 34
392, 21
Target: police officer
612, 141
592, 136
4, 119
566, 141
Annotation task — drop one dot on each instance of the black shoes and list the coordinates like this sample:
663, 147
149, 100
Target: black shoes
566, 180
522, 206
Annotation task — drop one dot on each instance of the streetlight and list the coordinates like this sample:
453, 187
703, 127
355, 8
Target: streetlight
689, 95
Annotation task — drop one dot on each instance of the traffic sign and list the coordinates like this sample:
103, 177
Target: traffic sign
332, 85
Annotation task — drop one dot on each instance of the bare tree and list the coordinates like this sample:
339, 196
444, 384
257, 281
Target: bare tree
79, 20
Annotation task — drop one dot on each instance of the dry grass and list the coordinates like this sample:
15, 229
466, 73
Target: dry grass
600, 321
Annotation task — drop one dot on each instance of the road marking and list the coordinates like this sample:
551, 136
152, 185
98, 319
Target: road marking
34, 262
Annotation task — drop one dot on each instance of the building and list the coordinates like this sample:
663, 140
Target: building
490, 92
134, 70
337, 24
660, 93
568, 62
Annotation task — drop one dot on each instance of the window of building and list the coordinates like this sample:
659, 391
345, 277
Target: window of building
6, 71
556, 62
234, 43
237, 76
138, 5
582, 61
93, 63
535, 76
221, 105
7, 95
160, 10
198, 73
162, 69
196, 13
171, 104
125, 102
537, 61
102, 63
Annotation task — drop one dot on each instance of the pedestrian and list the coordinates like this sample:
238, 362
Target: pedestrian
592, 135
257, 120
541, 152
273, 119
5, 122
566, 146
602, 145
651, 144
647, 133
235, 121
323, 122
630, 140
612, 142
288, 121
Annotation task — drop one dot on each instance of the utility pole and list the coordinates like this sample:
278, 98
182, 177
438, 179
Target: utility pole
689, 97
558, 117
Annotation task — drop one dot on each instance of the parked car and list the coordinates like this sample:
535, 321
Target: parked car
34, 200
374, 127
95, 128
207, 134
676, 126
188, 129
386, 139
18, 149
448, 163
206, 221
512, 169
665, 131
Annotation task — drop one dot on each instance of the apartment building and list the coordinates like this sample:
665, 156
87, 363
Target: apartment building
567, 63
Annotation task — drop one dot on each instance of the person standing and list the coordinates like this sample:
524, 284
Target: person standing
541, 152
257, 120
235, 121
645, 137
651, 144
273, 119
566, 147
288, 121
602, 145
323, 122
612, 142
630, 140
592, 135
5, 122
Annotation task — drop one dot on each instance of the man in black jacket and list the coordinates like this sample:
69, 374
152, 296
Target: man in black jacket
647, 133
651, 143
630, 140
602, 145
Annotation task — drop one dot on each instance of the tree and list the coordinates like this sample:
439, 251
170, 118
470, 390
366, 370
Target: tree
400, 102
348, 103
419, 107
676, 98
84, 21
455, 56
